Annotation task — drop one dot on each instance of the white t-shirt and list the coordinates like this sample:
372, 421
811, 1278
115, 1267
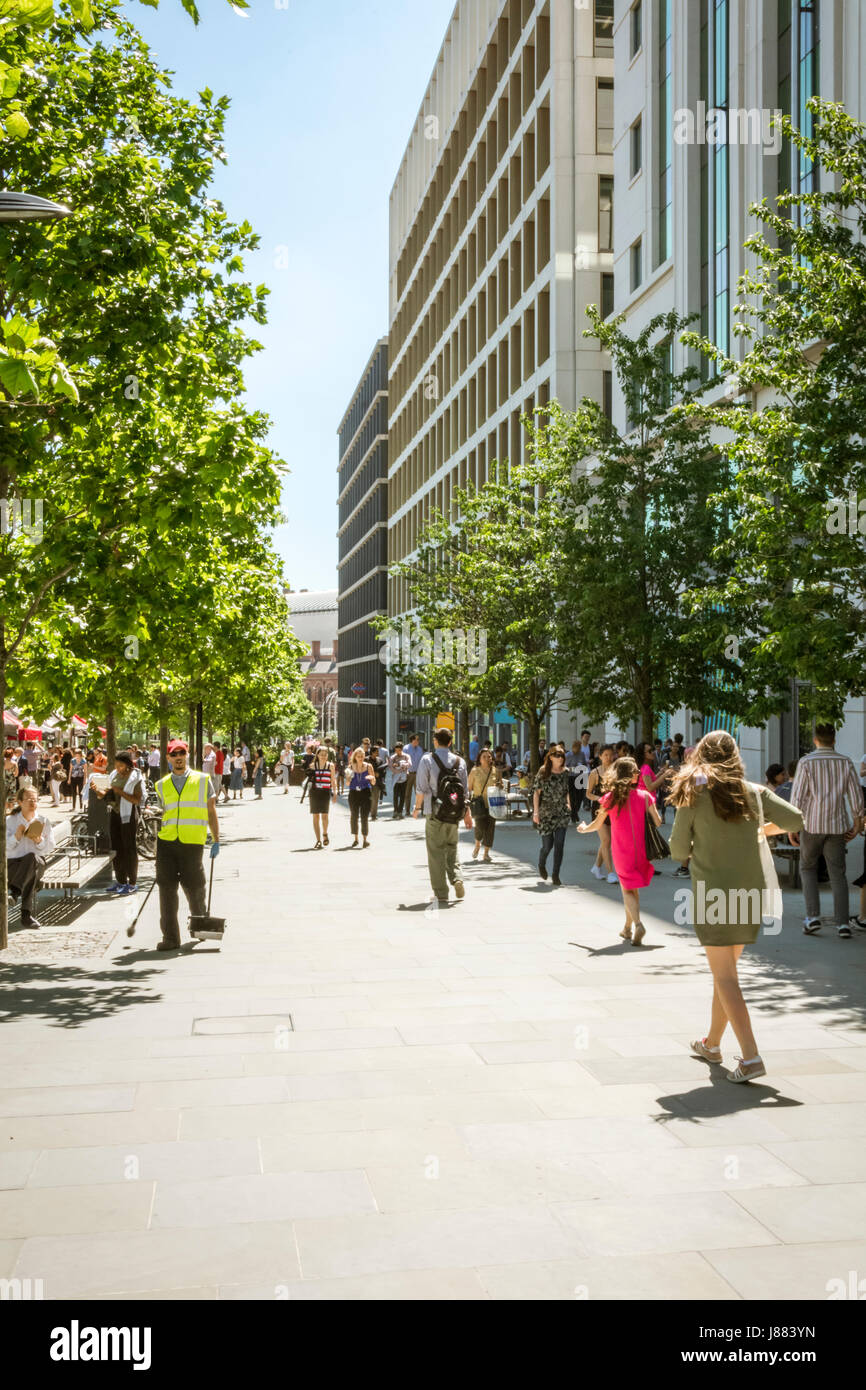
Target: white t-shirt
153, 758
125, 807
238, 763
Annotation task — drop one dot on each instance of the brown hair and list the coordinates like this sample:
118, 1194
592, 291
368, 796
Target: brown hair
717, 766
618, 781
555, 751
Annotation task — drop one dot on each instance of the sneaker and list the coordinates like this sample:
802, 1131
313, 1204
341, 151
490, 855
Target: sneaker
31, 922
844, 933
596, 871
115, 889
682, 872
812, 925
556, 881
709, 1054
612, 878
166, 946
858, 923
132, 887
747, 1071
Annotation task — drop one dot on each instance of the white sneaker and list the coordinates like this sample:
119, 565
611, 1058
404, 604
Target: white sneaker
596, 871
612, 878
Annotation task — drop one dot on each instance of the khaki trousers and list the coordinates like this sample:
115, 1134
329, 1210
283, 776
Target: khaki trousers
442, 861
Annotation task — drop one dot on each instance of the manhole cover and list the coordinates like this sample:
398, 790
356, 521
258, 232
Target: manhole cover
249, 1023
56, 946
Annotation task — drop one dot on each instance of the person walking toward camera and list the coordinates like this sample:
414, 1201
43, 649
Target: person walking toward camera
551, 810
323, 790
188, 805
482, 778
627, 806
720, 823
400, 767
362, 779
124, 794
442, 792
603, 865
827, 790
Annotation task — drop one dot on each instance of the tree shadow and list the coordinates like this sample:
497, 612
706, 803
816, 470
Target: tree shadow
69, 996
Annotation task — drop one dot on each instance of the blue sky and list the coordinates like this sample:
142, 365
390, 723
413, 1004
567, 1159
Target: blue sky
324, 95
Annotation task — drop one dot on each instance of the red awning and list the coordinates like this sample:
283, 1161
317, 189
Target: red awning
79, 722
101, 730
11, 719
32, 734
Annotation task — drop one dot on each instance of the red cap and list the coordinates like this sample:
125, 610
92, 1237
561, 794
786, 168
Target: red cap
178, 746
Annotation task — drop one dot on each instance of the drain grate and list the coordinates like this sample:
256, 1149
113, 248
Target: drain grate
245, 1023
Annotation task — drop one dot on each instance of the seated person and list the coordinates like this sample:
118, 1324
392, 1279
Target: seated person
29, 841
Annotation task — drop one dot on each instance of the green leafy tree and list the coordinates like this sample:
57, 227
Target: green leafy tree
792, 567
640, 528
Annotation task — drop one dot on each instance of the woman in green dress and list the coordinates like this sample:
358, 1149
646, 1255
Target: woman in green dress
717, 830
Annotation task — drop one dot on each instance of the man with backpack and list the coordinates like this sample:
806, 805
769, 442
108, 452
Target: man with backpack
442, 790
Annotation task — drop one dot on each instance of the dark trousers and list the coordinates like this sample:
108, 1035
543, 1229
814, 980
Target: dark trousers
122, 836
359, 806
575, 799
485, 829
399, 798
178, 865
77, 785
25, 875
555, 841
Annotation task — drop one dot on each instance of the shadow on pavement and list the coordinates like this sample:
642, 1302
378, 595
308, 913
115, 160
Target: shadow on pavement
69, 996
721, 1098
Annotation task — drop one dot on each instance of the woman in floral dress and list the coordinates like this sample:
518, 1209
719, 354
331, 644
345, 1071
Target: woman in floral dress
551, 812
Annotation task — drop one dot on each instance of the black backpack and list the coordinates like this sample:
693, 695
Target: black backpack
450, 796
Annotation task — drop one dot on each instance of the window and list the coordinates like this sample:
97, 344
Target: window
605, 212
606, 294
715, 182
665, 148
636, 141
604, 116
636, 263
607, 394
603, 29
636, 25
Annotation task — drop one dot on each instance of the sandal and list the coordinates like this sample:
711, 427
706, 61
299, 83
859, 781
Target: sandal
709, 1054
325, 840
486, 859
626, 933
639, 934
318, 844
475, 852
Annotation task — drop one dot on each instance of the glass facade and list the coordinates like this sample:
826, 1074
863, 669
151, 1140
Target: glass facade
603, 29
605, 212
715, 175
808, 49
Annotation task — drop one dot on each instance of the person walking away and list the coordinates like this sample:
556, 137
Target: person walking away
124, 794
551, 813
378, 788
481, 779
153, 764
576, 768
218, 769
56, 776
29, 842
828, 792
362, 778
415, 753
259, 772
188, 811
340, 770
719, 821
208, 764
627, 806
474, 750
238, 770
603, 866
400, 766
323, 790
442, 793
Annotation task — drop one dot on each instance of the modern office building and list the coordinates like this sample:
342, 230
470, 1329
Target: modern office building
681, 214
500, 237
363, 551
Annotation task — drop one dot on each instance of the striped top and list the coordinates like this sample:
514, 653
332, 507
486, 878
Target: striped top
824, 782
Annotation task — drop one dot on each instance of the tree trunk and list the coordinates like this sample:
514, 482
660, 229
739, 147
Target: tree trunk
4, 875
199, 738
534, 726
110, 733
162, 701
190, 733
465, 714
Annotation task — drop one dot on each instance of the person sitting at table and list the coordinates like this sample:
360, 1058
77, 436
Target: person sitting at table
29, 842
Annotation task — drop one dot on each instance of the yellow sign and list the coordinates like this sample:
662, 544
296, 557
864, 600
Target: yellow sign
445, 721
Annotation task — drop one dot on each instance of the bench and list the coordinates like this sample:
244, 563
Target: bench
74, 861
790, 853
513, 803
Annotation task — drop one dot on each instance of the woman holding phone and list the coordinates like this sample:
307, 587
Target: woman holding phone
362, 779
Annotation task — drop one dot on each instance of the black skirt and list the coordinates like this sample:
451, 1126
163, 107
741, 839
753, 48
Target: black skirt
320, 801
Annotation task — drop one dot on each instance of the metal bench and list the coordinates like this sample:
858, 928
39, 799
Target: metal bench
74, 862
790, 853
514, 801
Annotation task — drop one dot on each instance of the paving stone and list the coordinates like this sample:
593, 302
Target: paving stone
653, 1278
144, 1162
663, 1224
65, 1210
211, 1202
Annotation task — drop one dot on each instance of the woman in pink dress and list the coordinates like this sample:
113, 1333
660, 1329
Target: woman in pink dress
627, 806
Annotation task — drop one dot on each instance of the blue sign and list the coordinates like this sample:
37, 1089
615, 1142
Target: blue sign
503, 716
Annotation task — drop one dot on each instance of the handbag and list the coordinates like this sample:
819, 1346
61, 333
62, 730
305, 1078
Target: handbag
497, 803
771, 896
478, 806
655, 844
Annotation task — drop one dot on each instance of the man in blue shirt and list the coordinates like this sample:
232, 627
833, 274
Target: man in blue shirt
414, 752
474, 746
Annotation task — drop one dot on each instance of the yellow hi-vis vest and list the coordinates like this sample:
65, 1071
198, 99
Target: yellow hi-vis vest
184, 815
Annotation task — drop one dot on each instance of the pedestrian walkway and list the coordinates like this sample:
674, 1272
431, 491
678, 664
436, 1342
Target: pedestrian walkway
362, 1097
